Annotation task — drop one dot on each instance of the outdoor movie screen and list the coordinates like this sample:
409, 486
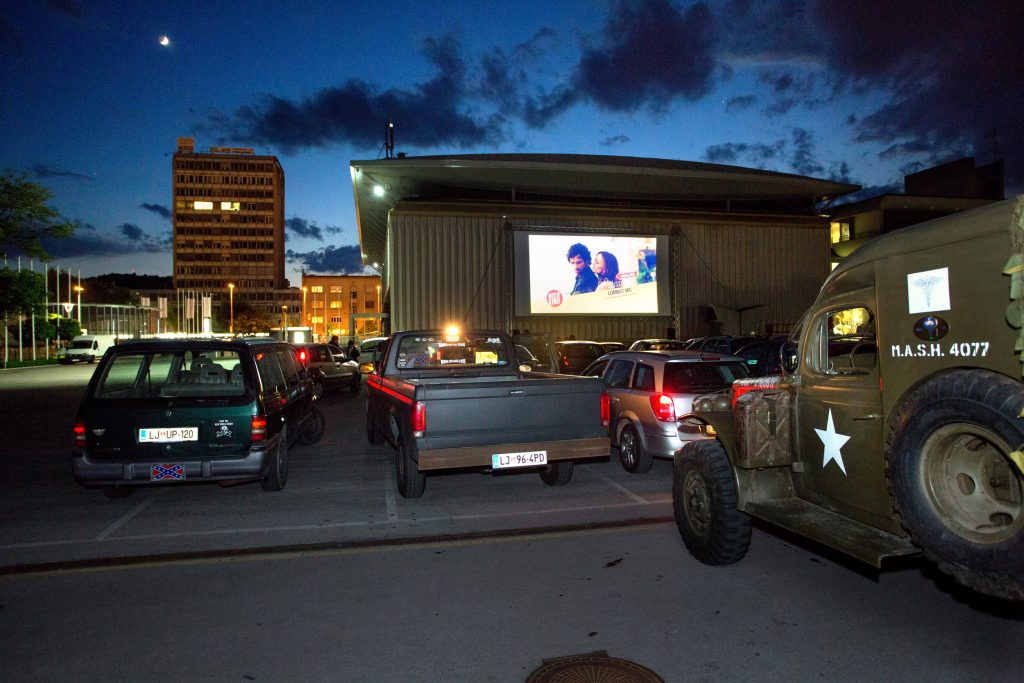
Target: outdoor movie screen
589, 274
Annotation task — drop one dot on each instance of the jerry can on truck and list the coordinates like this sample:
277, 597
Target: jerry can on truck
896, 427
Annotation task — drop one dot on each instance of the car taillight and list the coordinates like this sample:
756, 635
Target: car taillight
302, 356
419, 417
259, 428
664, 407
79, 435
606, 409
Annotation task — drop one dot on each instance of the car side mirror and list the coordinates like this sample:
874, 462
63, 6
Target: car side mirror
365, 368
789, 357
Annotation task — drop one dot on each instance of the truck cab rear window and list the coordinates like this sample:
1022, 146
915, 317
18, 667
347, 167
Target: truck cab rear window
436, 352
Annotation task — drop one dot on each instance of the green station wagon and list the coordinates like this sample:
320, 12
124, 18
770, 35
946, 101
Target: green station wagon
172, 411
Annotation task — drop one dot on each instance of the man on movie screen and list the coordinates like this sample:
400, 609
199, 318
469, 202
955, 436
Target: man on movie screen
586, 279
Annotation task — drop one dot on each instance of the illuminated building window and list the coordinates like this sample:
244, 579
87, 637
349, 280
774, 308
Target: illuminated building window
203, 206
840, 231
335, 304
317, 289
229, 206
335, 289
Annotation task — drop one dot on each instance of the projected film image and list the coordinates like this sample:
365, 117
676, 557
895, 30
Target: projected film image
580, 274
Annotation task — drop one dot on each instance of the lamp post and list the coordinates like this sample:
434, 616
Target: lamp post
231, 307
302, 319
78, 290
284, 311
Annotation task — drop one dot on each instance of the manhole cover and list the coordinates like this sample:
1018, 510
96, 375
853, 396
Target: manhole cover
595, 667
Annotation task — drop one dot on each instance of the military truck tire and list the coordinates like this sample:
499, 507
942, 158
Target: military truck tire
557, 473
632, 454
373, 435
315, 430
957, 493
704, 501
277, 472
411, 482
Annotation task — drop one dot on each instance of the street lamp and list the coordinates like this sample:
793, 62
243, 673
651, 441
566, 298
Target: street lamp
79, 289
302, 319
231, 296
284, 311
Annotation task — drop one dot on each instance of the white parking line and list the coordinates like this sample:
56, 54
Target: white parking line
127, 517
335, 525
622, 489
389, 493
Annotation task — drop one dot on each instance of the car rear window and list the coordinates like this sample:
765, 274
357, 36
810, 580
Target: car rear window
172, 373
440, 351
686, 377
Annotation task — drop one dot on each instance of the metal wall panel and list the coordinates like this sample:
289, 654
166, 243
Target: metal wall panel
459, 267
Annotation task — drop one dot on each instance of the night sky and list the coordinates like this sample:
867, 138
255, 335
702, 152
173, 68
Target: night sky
860, 92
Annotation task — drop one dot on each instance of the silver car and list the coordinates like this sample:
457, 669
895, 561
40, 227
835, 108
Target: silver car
649, 390
331, 360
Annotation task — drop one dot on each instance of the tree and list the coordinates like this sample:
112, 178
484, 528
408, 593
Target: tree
21, 292
25, 219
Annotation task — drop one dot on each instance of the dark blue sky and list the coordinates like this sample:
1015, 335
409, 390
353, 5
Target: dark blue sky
862, 92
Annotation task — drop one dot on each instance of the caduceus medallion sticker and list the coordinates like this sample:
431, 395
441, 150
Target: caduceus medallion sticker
928, 291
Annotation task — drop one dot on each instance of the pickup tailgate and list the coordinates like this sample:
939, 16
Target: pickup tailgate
468, 420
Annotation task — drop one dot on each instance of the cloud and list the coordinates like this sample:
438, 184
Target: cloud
652, 54
951, 69
300, 227
47, 171
740, 103
329, 260
158, 209
757, 154
68, 8
428, 115
125, 239
798, 155
615, 140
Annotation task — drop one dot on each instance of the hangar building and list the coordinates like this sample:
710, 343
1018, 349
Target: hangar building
484, 239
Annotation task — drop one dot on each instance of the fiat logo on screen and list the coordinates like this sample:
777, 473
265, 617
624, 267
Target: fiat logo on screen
554, 298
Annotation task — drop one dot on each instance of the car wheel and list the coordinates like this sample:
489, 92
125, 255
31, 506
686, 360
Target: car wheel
557, 473
373, 435
277, 472
354, 385
704, 502
117, 492
957, 492
411, 482
92, 359
632, 454
315, 430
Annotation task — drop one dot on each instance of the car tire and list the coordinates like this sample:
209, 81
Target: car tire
704, 501
315, 430
953, 485
354, 384
557, 473
277, 472
411, 482
91, 360
118, 492
373, 435
632, 454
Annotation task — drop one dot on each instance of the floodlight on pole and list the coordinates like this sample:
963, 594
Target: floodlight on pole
231, 296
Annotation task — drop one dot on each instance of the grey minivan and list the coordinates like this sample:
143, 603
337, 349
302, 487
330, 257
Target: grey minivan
173, 411
649, 390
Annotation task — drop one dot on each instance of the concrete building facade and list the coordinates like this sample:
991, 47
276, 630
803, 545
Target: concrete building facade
228, 218
342, 305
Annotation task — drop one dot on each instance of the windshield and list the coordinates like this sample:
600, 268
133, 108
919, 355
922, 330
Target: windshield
181, 373
81, 344
685, 377
440, 351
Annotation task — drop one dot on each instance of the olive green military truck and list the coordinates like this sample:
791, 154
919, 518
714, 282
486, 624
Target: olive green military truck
896, 425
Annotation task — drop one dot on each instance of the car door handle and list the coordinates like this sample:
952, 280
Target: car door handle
869, 416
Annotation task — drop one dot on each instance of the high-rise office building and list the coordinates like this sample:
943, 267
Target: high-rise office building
229, 224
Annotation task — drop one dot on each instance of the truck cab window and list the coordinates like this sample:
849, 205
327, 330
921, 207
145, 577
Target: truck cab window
846, 343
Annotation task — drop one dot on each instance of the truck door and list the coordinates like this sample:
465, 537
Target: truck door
839, 413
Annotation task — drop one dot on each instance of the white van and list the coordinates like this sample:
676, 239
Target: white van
86, 348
